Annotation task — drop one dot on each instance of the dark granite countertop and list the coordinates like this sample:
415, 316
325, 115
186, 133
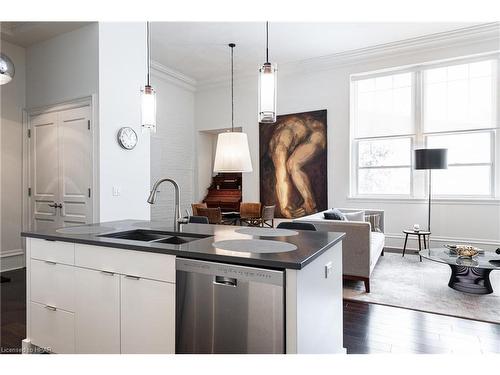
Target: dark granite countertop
309, 244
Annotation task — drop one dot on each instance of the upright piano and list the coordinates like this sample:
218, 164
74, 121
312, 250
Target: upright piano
225, 192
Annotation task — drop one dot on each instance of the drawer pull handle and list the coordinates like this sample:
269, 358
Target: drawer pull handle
51, 308
50, 262
108, 273
132, 277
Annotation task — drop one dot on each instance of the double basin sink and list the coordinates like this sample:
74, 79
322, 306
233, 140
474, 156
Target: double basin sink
156, 236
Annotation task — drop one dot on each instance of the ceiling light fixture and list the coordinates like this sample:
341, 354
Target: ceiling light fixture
268, 83
7, 70
148, 94
232, 153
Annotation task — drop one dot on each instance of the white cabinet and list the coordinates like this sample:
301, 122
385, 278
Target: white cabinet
81, 301
147, 316
97, 319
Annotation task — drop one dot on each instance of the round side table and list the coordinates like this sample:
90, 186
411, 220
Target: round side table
421, 234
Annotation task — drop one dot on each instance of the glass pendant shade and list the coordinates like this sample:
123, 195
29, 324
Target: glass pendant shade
7, 70
268, 83
232, 153
148, 108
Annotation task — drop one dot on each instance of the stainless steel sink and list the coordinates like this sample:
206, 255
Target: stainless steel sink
146, 235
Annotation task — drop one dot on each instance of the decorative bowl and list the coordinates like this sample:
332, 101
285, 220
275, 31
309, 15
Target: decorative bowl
466, 251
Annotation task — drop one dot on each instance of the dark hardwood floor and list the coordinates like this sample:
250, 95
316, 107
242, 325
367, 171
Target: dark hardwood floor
368, 328
12, 311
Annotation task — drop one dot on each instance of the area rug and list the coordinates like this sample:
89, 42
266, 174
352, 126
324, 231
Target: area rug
423, 286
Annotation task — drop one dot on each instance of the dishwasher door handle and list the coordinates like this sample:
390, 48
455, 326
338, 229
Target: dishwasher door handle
227, 281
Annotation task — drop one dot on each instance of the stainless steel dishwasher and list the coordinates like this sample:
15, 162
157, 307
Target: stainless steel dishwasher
223, 308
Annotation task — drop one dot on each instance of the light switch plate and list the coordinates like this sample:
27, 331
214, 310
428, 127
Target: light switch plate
328, 269
116, 191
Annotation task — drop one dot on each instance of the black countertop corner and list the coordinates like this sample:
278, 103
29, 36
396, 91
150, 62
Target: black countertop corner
309, 244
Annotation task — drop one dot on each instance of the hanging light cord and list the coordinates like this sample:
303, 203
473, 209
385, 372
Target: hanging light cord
148, 43
267, 42
232, 87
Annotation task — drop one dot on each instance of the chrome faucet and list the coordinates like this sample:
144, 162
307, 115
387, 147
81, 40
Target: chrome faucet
177, 212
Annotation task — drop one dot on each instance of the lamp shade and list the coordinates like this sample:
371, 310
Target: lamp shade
232, 153
431, 158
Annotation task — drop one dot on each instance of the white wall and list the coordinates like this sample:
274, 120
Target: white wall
172, 146
63, 68
12, 98
122, 72
329, 89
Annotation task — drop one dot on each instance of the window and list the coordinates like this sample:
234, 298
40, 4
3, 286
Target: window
451, 106
384, 124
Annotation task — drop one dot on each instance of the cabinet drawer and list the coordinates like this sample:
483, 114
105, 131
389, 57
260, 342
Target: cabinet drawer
53, 330
53, 284
54, 251
126, 262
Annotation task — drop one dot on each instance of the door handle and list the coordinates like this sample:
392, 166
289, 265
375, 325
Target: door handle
228, 281
108, 273
59, 205
54, 205
51, 308
132, 277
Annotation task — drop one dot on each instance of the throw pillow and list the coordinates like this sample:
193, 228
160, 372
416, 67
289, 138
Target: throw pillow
334, 214
374, 220
355, 216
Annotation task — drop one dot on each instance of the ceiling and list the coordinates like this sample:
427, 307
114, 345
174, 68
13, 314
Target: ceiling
199, 49
25, 34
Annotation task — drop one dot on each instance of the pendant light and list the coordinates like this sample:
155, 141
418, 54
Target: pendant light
148, 94
232, 153
268, 83
7, 70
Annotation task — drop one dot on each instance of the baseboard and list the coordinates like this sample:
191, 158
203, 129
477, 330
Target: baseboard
11, 260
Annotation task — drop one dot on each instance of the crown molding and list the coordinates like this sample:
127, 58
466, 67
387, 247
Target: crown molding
458, 37
173, 76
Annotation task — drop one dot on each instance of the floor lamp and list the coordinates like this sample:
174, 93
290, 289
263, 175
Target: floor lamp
429, 159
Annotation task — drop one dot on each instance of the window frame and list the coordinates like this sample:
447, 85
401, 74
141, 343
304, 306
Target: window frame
419, 184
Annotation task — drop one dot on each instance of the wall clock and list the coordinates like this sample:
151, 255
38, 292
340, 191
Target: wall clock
127, 138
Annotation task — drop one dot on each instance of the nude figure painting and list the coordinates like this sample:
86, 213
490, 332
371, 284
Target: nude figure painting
293, 158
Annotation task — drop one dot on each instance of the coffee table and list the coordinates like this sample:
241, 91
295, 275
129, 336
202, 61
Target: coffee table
468, 275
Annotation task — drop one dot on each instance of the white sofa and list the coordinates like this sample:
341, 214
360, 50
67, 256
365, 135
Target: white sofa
361, 247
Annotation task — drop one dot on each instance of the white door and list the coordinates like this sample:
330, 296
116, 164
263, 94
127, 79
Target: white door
147, 316
97, 312
61, 168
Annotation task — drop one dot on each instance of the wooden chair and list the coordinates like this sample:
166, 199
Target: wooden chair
195, 206
250, 214
268, 216
214, 215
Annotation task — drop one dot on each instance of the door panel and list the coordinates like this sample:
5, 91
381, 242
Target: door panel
97, 317
44, 170
147, 316
75, 150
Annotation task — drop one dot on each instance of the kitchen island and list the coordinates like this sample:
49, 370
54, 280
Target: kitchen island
135, 287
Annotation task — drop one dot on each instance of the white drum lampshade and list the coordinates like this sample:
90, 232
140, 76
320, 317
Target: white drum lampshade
232, 153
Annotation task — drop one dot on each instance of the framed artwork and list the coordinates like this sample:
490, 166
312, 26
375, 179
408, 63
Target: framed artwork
293, 164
